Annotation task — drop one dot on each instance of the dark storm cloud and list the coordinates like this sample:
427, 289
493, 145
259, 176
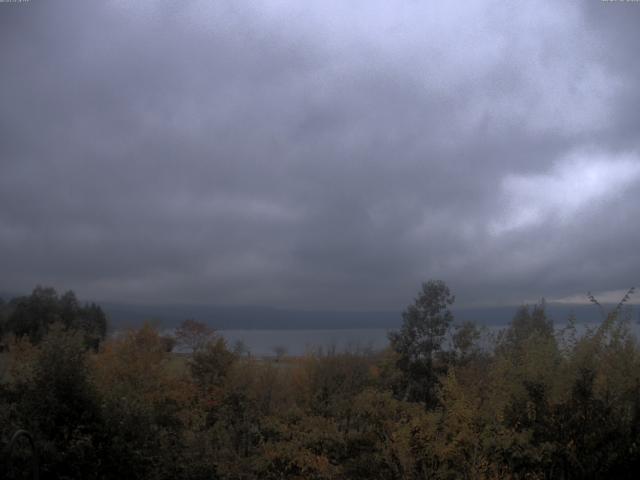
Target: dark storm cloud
318, 154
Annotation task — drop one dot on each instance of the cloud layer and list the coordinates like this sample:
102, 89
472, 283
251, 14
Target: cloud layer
319, 154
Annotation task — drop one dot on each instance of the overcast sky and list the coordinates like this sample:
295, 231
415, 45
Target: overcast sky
319, 154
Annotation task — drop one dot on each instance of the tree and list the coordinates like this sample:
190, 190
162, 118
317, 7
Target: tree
192, 335
60, 407
211, 363
3, 319
145, 404
93, 322
89, 318
279, 351
32, 316
425, 325
465, 342
526, 323
241, 349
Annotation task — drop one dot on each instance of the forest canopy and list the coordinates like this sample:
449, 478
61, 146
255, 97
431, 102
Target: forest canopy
444, 400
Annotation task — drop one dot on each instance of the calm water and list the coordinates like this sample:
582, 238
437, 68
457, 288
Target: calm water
298, 342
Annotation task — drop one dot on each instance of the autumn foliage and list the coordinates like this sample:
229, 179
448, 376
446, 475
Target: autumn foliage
532, 402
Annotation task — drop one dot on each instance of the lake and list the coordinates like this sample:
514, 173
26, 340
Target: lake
298, 342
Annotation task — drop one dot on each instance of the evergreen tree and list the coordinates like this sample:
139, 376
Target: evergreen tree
425, 325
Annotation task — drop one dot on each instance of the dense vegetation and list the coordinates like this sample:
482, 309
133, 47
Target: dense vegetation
443, 401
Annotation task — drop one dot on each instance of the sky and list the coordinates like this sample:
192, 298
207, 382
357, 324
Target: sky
325, 154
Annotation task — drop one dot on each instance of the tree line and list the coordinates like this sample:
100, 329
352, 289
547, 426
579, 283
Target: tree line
442, 401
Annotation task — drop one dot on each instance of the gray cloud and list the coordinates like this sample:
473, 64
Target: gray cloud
319, 154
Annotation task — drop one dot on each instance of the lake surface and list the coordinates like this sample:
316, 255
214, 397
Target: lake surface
298, 342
